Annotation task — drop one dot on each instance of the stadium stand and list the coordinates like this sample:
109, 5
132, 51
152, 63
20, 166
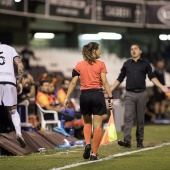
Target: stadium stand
64, 60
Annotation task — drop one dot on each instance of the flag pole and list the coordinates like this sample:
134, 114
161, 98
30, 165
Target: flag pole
110, 133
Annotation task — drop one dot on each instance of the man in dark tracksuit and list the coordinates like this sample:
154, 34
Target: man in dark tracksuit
135, 71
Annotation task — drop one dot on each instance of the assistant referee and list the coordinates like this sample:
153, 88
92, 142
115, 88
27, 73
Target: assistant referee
92, 73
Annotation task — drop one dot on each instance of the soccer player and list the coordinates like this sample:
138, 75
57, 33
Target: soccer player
8, 90
92, 73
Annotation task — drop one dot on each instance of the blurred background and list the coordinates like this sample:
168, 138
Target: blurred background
70, 24
55, 31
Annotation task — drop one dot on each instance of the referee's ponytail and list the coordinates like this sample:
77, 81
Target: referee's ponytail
88, 50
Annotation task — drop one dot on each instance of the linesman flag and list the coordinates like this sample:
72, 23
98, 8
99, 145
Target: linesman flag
110, 134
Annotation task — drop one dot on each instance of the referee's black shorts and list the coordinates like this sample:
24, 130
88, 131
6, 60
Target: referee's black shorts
92, 101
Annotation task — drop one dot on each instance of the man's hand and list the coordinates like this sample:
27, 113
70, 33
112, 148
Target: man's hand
165, 89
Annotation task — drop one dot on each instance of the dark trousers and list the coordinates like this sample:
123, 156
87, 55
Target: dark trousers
135, 105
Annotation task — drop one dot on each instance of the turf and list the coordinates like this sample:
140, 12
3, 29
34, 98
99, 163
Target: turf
157, 159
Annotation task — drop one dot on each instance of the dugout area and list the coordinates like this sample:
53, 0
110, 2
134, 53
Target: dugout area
35, 140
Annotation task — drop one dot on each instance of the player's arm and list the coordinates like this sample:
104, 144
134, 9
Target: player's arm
75, 77
120, 78
71, 86
115, 85
20, 66
107, 88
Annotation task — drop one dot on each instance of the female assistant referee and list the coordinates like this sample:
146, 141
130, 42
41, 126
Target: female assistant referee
92, 73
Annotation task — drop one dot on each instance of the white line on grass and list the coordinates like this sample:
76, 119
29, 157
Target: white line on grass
110, 157
59, 153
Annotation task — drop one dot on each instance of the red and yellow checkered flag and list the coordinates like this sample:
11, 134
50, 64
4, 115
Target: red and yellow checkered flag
110, 134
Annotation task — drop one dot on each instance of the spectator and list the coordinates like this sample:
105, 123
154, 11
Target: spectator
159, 96
8, 91
61, 93
44, 99
27, 86
27, 91
26, 53
48, 101
78, 121
61, 96
149, 113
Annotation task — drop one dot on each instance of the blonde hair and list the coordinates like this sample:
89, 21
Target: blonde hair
88, 50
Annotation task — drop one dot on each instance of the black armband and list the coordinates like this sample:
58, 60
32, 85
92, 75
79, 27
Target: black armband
75, 73
111, 97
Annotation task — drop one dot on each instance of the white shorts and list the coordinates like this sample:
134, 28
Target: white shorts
8, 94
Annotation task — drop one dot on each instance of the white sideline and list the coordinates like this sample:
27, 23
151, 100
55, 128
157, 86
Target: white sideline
110, 157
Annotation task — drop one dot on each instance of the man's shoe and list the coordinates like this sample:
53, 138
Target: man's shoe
93, 157
124, 143
87, 150
140, 145
21, 141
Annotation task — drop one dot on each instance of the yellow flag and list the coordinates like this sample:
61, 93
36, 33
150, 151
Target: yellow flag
110, 134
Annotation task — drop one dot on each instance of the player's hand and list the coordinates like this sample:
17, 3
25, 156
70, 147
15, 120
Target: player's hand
66, 103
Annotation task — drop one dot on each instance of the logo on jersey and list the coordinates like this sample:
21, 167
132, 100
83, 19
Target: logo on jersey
2, 60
